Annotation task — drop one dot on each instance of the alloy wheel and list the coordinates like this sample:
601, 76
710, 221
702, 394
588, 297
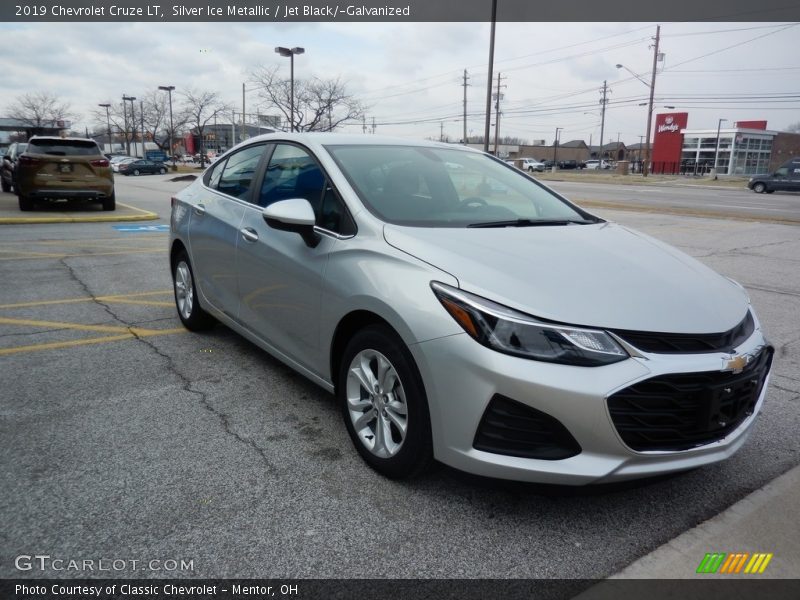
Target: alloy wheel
376, 403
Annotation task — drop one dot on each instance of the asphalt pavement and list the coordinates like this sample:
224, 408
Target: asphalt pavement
123, 436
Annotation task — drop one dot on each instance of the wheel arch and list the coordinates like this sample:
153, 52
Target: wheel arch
347, 327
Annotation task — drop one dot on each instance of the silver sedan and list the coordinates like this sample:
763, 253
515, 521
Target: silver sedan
462, 311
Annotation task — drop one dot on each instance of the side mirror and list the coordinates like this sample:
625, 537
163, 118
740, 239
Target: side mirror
294, 215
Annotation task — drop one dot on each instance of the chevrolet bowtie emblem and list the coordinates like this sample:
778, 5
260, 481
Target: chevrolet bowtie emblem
736, 364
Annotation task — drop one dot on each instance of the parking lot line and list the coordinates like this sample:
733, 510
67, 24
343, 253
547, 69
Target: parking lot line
117, 332
89, 341
116, 298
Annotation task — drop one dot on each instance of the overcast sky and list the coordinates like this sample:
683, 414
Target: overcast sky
413, 72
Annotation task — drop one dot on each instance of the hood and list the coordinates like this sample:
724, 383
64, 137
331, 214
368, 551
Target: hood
602, 275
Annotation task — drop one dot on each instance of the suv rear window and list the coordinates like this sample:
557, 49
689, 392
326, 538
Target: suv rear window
64, 147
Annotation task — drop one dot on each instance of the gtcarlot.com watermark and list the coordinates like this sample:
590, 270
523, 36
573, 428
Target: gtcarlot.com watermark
47, 563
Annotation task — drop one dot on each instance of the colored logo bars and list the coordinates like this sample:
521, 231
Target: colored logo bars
734, 563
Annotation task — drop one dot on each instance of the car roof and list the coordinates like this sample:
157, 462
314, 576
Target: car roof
324, 138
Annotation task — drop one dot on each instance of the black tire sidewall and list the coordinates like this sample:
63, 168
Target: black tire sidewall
416, 452
199, 319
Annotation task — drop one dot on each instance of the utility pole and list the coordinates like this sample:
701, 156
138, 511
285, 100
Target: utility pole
646, 166
244, 114
555, 150
603, 102
465, 84
441, 131
373, 125
497, 114
489, 80
363, 124
141, 117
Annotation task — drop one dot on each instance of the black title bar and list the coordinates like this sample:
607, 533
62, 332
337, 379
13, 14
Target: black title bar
398, 10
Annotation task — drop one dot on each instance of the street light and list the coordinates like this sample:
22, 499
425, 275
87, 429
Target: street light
290, 52
716, 151
133, 121
652, 86
108, 123
555, 150
168, 89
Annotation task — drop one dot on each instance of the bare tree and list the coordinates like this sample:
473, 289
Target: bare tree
793, 128
156, 119
39, 110
319, 104
118, 119
201, 107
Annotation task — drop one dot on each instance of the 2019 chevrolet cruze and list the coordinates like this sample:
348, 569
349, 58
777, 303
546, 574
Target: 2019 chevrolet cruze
462, 311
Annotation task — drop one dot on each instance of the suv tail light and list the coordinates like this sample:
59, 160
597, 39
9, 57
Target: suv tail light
28, 160
100, 162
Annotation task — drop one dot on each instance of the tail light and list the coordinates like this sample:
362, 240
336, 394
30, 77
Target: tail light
100, 162
28, 160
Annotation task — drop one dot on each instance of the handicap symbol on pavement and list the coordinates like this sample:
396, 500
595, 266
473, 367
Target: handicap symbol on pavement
141, 228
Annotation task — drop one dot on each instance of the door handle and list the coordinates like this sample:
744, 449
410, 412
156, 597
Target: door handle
249, 234
199, 210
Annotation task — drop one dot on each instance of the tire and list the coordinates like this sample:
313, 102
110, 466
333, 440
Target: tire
110, 203
136, 172
530, 169
6, 186
25, 203
162, 171
369, 413
760, 187
192, 315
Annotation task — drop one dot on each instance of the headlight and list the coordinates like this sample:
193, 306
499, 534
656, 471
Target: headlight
511, 332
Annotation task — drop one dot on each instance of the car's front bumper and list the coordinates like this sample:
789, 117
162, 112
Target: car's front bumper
461, 376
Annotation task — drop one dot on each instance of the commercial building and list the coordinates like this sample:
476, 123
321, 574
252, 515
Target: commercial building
747, 148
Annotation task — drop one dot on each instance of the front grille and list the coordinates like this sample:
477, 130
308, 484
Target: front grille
682, 411
689, 343
514, 429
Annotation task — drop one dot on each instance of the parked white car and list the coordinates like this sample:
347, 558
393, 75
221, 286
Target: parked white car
595, 164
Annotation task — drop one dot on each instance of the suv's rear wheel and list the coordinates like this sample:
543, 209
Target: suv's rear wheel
25, 203
162, 170
191, 313
383, 403
110, 203
5, 185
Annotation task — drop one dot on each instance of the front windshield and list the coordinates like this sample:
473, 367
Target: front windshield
439, 187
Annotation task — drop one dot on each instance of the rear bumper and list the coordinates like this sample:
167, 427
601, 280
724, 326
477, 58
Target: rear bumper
41, 194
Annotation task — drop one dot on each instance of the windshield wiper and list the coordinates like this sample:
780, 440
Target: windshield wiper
532, 223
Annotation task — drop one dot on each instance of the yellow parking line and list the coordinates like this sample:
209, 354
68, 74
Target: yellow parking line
142, 302
114, 298
79, 326
84, 342
144, 216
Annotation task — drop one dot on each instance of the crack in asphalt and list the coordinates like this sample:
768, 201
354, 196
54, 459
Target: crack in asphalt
185, 381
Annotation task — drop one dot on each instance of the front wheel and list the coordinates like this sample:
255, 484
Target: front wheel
192, 315
162, 170
760, 188
383, 403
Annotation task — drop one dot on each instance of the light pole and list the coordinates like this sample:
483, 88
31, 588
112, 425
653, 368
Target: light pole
555, 150
168, 89
133, 119
716, 151
290, 52
489, 80
108, 124
652, 86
